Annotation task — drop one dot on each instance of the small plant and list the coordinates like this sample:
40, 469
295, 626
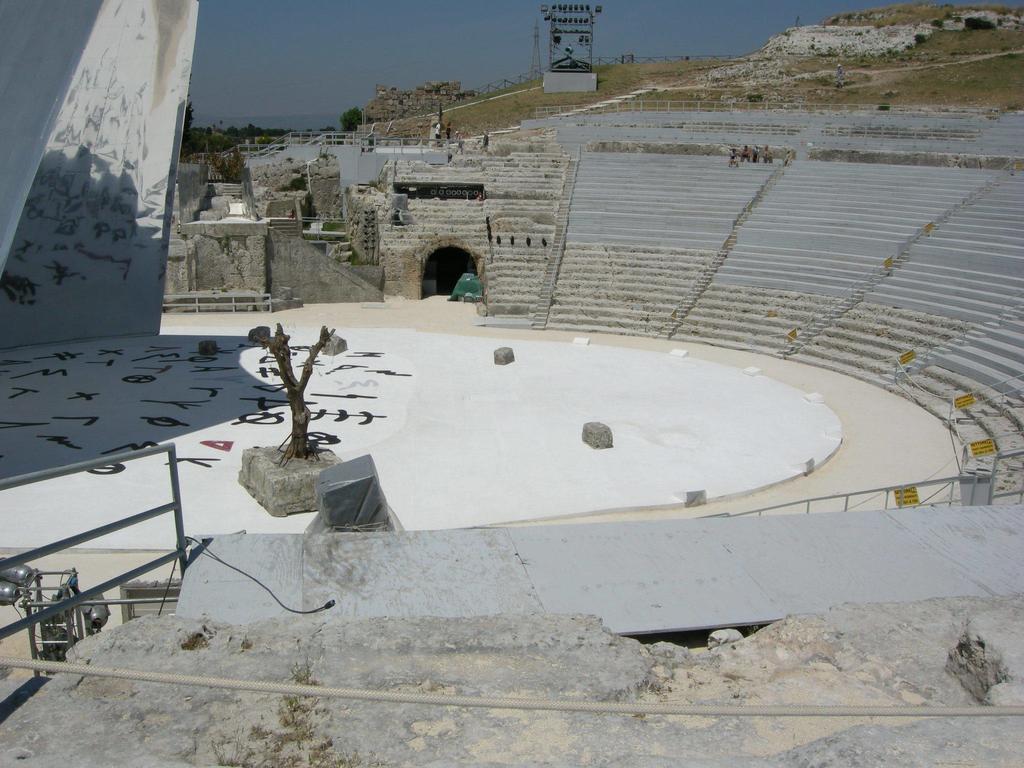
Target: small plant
229, 166
297, 184
303, 673
194, 642
755, 97
937, 23
920, 38
884, 107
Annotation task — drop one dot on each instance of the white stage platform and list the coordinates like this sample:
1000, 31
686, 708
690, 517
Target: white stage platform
458, 441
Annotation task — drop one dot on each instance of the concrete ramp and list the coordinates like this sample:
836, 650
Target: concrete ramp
639, 578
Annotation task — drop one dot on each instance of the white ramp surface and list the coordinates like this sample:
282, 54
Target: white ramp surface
639, 578
716, 572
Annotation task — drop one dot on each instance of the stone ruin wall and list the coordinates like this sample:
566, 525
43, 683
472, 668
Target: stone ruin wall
270, 180
215, 255
391, 103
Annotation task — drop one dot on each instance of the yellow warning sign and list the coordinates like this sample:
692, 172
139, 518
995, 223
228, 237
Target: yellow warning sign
907, 497
888, 263
1019, 165
929, 227
793, 334
908, 357
983, 447
964, 401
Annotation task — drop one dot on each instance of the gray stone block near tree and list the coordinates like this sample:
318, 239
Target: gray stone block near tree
259, 332
335, 346
597, 435
207, 347
504, 356
283, 490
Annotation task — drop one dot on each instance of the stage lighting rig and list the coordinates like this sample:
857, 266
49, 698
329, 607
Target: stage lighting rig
570, 36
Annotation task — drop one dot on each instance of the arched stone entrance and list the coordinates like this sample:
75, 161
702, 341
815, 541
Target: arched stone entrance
443, 268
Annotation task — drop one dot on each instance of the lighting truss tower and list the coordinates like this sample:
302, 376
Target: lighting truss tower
571, 36
535, 61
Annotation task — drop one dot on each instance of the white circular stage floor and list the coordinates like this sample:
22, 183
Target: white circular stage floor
457, 440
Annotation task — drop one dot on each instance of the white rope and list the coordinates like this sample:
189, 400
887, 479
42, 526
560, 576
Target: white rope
504, 702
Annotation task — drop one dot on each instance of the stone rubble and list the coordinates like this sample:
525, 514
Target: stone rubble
887, 654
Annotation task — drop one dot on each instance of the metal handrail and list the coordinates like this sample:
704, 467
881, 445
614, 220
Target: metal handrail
668, 105
943, 482
179, 553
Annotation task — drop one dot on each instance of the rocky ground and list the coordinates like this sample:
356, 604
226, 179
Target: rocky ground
960, 651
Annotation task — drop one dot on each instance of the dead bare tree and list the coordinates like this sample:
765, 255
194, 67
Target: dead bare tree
298, 444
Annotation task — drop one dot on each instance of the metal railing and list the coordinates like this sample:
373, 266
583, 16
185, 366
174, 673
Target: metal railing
93, 593
225, 301
945, 493
630, 58
663, 105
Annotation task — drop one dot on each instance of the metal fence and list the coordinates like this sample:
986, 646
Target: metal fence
942, 491
669, 105
96, 593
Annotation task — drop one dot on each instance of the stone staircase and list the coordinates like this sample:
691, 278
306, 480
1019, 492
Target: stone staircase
866, 344
856, 294
697, 289
539, 314
747, 317
621, 289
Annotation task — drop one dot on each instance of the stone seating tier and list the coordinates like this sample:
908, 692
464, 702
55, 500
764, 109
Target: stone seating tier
825, 227
972, 265
659, 200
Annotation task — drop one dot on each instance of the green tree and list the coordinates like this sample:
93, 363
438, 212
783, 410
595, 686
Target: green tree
351, 119
187, 144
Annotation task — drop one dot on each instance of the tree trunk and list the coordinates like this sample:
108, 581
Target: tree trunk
298, 443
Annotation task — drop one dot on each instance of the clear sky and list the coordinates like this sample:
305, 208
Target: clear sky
316, 58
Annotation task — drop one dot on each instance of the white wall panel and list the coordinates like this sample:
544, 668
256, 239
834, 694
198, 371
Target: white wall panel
90, 248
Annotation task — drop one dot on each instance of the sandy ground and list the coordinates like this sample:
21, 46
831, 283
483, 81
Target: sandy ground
887, 440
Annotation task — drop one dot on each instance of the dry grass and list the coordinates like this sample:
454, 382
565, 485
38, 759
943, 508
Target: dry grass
991, 83
519, 102
913, 13
294, 743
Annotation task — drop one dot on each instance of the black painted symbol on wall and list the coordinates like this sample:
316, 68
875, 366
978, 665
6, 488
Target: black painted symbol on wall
163, 421
60, 272
62, 440
199, 462
43, 372
323, 438
182, 404
263, 418
87, 421
18, 289
212, 391
130, 447
136, 378
109, 469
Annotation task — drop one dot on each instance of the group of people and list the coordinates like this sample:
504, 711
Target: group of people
460, 142
750, 155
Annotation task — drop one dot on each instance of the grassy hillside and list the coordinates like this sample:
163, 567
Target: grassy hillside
975, 68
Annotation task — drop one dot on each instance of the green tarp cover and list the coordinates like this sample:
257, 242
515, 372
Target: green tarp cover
468, 287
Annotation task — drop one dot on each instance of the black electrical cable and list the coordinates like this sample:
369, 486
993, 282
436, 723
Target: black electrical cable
205, 550
167, 589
